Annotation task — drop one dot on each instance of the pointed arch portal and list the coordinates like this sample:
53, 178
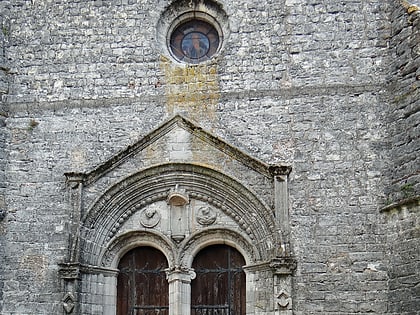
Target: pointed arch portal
145, 223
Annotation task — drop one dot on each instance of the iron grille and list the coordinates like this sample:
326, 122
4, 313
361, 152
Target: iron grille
150, 310
211, 310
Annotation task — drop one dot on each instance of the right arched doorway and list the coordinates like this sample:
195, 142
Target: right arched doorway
219, 287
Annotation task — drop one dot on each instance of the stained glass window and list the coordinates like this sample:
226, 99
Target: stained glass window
194, 41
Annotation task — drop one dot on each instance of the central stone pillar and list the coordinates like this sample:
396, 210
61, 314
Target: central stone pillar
180, 290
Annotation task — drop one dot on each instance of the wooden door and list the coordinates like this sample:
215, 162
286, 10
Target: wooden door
219, 287
142, 288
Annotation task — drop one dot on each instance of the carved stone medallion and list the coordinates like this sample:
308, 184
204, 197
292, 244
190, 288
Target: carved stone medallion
149, 217
206, 215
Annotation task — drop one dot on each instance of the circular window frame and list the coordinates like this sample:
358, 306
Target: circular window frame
186, 18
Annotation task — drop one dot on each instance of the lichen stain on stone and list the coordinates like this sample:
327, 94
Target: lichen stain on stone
192, 89
78, 158
37, 264
209, 156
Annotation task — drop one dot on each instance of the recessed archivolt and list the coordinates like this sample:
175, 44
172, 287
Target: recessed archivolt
202, 239
254, 219
129, 240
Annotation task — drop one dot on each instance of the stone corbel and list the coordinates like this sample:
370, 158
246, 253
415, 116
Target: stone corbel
69, 271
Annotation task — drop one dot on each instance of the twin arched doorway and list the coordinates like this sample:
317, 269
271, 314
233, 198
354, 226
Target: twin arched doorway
218, 289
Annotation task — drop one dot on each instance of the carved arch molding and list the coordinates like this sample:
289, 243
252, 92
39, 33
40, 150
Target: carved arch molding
178, 208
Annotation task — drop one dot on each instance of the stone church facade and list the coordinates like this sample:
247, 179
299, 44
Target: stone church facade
209, 157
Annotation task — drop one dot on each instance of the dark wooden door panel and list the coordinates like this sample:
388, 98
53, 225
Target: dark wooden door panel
142, 288
219, 287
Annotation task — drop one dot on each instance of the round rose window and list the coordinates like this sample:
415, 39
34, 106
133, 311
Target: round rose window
194, 41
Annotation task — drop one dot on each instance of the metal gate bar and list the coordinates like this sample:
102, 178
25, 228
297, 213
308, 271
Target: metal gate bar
150, 310
210, 310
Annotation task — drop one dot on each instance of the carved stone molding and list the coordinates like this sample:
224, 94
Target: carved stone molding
73, 179
226, 209
276, 170
144, 220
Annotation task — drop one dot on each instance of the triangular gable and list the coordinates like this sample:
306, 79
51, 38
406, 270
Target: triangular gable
164, 129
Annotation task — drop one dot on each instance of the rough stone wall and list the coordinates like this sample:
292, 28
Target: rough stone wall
298, 81
4, 87
401, 213
404, 108
402, 227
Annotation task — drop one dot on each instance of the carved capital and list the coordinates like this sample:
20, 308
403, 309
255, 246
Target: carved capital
276, 170
69, 271
179, 273
283, 265
73, 179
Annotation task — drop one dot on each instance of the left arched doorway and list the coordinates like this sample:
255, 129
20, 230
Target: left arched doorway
142, 288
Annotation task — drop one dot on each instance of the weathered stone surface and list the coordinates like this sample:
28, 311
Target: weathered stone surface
330, 88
